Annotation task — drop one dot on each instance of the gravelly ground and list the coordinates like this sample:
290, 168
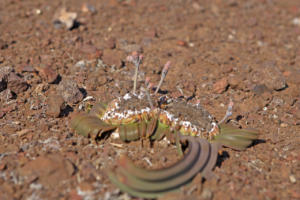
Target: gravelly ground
244, 50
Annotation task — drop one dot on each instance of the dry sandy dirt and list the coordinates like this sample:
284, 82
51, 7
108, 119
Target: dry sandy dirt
52, 67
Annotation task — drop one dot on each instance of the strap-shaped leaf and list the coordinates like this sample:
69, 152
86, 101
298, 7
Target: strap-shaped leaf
88, 125
201, 157
235, 138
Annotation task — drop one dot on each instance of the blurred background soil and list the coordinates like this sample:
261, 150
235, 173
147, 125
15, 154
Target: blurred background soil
58, 57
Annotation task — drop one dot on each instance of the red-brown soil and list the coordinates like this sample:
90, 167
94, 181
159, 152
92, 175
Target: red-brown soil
244, 50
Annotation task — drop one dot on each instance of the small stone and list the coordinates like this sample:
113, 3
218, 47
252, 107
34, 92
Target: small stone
181, 43
48, 74
7, 109
206, 194
26, 68
80, 66
271, 76
4, 73
70, 91
260, 89
6, 95
87, 8
283, 125
3, 166
296, 21
113, 58
129, 48
96, 81
49, 169
198, 7
66, 18
235, 81
220, 86
292, 179
91, 51
56, 104
16, 83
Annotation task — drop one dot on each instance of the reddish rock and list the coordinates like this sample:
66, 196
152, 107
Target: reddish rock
235, 82
270, 75
4, 74
56, 104
181, 43
220, 86
48, 73
91, 51
16, 83
6, 95
69, 90
25, 68
50, 170
113, 57
64, 17
260, 89
96, 81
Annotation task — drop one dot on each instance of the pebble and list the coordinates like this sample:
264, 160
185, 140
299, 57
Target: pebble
272, 77
49, 170
80, 65
16, 84
91, 51
6, 95
87, 8
235, 81
206, 194
296, 21
4, 73
292, 179
63, 17
70, 92
260, 89
48, 73
181, 43
26, 68
56, 104
283, 125
220, 86
113, 58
